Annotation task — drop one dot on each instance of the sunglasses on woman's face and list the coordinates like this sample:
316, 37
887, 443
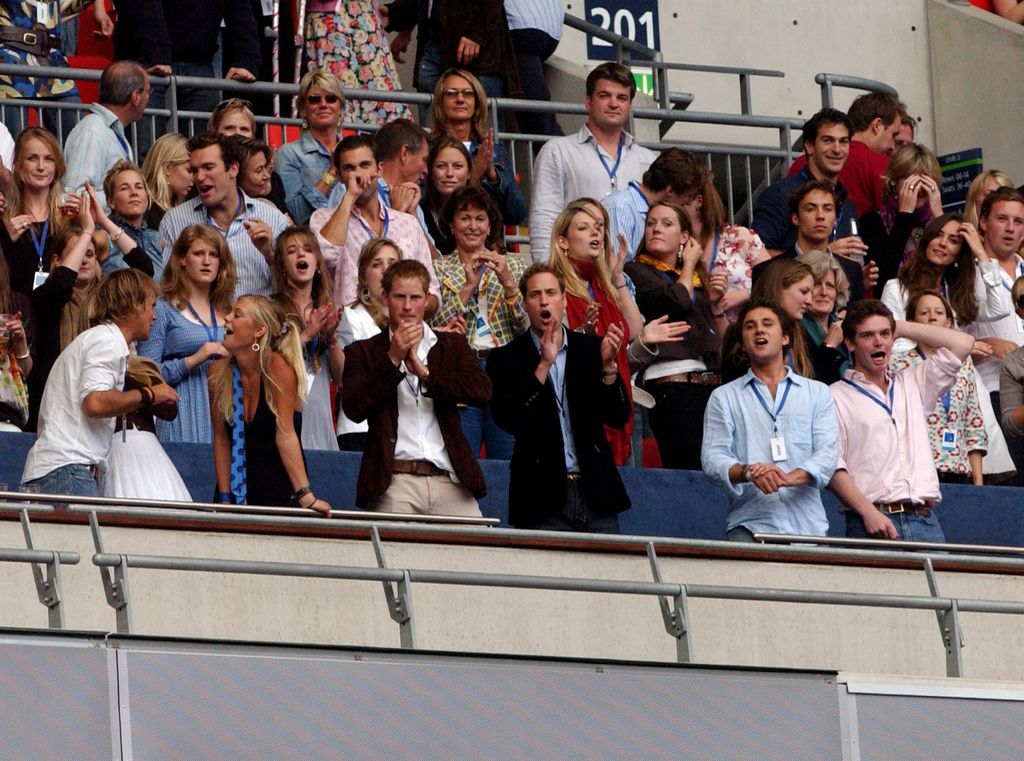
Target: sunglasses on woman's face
314, 100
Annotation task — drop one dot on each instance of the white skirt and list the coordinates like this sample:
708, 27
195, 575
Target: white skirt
139, 468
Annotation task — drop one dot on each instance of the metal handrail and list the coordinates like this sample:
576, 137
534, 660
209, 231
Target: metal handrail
827, 81
947, 608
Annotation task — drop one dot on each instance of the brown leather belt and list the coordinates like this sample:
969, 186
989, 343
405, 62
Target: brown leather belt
910, 508
480, 353
417, 468
701, 378
37, 40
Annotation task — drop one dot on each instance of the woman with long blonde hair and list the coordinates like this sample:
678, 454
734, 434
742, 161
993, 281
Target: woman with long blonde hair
32, 215
167, 175
256, 394
195, 297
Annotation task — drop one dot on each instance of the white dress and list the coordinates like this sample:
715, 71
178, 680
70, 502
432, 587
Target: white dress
356, 324
137, 467
317, 423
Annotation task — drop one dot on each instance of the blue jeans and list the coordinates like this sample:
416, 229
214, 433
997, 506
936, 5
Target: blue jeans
74, 479
577, 516
909, 526
430, 71
479, 428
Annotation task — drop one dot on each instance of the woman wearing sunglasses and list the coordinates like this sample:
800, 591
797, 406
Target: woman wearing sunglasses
305, 166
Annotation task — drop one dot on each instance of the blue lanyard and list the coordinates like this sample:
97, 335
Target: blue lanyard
945, 398
124, 143
714, 253
211, 223
211, 329
385, 195
633, 184
887, 407
773, 415
618, 159
369, 230
39, 241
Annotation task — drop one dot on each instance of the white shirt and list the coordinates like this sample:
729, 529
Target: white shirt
355, 325
1009, 327
6, 146
419, 436
252, 269
545, 15
95, 361
568, 168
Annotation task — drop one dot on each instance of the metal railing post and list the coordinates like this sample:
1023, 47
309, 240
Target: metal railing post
48, 587
115, 585
399, 600
171, 99
676, 616
949, 626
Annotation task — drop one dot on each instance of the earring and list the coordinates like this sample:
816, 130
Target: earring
256, 346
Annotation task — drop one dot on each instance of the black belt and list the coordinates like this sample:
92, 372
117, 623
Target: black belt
36, 40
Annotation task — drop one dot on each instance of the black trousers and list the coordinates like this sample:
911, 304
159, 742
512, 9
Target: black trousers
677, 420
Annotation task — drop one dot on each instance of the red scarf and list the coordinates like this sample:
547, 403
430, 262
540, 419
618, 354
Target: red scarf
608, 313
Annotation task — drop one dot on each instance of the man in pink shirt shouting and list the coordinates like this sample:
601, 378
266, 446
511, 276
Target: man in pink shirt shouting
886, 479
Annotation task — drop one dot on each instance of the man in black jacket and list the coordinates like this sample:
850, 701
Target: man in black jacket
555, 390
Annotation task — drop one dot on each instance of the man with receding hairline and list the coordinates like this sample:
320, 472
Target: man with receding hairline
99, 140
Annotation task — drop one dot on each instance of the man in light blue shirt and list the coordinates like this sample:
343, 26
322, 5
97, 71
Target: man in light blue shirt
249, 227
771, 438
99, 141
665, 180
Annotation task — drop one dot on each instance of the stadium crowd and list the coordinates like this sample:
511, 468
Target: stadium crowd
355, 292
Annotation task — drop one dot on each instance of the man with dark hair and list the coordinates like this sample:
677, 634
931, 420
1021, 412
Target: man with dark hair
84, 390
663, 181
770, 437
599, 159
874, 121
812, 210
99, 141
907, 130
555, 390
250, 227
886, 479
408, 383
402, 150
826, 147
342, 229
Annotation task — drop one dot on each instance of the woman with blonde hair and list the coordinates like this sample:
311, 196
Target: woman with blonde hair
365, 318
195, 297
233, 116
979, 189
32, 215
303, 287
256, 394
305, 165
167, 175
821, 324
911, 198
460, 111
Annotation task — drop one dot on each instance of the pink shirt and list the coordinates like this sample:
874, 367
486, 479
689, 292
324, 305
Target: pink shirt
342, 261
887, 462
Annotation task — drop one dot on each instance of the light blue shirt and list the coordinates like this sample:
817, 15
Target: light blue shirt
738, 429
300, 164
93, 146
252, 269
556, 377
627, 214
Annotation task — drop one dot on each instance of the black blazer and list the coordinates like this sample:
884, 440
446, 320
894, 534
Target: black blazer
528, 410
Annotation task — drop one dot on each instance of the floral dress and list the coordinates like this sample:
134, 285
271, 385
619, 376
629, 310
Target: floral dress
348, 39
23, 15
738, 249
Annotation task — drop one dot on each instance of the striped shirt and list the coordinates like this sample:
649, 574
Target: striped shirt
545, 15
253, 270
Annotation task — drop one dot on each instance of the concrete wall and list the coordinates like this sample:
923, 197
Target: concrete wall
471, 619
977, 68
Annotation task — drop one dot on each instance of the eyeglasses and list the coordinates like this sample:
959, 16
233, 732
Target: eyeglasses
314, 100
465, 92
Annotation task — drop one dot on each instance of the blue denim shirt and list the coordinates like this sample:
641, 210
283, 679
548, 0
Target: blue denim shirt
738, 430
300, 165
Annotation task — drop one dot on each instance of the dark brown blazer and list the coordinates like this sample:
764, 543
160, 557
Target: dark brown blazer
369, 392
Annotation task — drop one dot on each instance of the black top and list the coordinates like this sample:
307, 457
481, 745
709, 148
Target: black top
266, 479
885, 248
21, 256
48, 301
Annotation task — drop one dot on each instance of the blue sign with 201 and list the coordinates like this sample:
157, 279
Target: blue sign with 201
635, 19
